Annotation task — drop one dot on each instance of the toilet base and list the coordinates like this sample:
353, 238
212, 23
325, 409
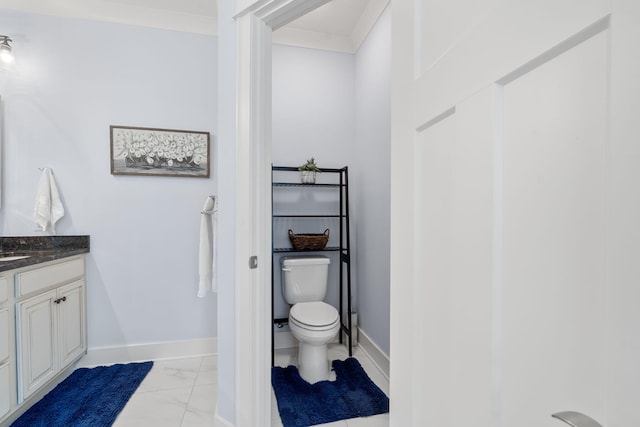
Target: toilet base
313, 362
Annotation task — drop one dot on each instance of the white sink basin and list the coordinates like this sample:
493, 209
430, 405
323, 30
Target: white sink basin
13, 257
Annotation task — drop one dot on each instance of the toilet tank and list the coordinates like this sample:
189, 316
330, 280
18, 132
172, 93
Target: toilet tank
304, 279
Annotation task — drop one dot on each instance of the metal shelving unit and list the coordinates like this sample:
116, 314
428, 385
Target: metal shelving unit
343, 247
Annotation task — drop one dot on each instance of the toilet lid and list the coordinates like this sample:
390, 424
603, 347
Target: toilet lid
314, 313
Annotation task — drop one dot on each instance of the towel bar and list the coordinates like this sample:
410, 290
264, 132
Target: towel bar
576, 419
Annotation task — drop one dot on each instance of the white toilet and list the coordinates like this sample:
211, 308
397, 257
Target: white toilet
312, 322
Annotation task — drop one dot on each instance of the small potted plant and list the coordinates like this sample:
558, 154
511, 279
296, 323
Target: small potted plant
308, 171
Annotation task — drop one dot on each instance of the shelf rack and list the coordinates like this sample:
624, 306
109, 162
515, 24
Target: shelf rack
342, 187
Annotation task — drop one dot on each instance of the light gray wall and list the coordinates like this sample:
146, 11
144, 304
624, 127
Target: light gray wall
371, 180
313, 116
336, 108
313, 106
72, 79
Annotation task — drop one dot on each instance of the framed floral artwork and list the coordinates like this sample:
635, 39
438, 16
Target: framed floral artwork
159, 152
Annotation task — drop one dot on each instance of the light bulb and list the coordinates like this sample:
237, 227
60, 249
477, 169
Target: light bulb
6, 56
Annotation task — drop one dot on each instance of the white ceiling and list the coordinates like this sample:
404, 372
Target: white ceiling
339, 25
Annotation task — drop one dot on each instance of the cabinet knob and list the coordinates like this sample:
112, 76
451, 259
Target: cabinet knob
59, 300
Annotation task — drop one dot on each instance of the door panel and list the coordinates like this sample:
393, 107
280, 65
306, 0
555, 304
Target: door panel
36, 349
554, 217
4, 334
70, 325
499, 189
5, 389
497, 42
453, 304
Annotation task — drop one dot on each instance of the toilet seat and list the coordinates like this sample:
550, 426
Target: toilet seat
315, 315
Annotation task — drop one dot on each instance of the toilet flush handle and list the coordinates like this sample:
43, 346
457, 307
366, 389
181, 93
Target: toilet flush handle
286, 269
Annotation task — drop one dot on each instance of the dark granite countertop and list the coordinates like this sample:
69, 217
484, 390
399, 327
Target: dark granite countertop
39, 249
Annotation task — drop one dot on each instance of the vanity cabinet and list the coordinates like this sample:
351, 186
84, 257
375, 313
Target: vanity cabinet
50, 322
42, 317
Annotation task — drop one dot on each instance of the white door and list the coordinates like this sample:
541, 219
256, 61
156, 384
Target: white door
36, 347
508, 122
71, 328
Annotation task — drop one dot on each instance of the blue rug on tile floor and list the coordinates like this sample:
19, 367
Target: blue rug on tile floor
89, 397
351, 395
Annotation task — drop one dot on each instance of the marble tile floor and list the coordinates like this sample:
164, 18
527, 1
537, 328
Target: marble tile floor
183, 392
175, 393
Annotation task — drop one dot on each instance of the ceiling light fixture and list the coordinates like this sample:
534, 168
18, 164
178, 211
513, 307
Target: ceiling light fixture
6, 56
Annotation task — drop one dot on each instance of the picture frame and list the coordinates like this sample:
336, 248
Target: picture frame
159, 152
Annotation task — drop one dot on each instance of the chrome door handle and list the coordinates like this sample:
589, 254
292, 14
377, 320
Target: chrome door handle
576, 419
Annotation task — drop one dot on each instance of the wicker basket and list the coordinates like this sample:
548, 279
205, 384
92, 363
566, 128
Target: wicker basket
309, 241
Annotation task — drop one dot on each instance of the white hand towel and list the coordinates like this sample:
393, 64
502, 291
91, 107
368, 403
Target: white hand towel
207, 248
48, 207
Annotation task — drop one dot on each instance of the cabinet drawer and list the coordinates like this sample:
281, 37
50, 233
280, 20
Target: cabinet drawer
4, 335
4, 289
44, 277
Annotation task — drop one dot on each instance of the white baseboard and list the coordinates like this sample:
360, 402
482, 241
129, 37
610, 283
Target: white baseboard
374, 352
155, 351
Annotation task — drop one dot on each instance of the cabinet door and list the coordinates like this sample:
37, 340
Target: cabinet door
5, 390
71, 328
37, 345
5, 378
4, 289
4, 334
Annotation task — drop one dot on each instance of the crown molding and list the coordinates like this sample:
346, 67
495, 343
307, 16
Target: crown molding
122, 13
312, 40
367, 21
292, 36
207, 24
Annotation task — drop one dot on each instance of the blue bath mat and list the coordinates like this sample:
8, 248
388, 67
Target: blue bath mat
89, 397
351, 395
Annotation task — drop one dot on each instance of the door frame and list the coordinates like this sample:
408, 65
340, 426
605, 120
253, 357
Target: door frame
255, 25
